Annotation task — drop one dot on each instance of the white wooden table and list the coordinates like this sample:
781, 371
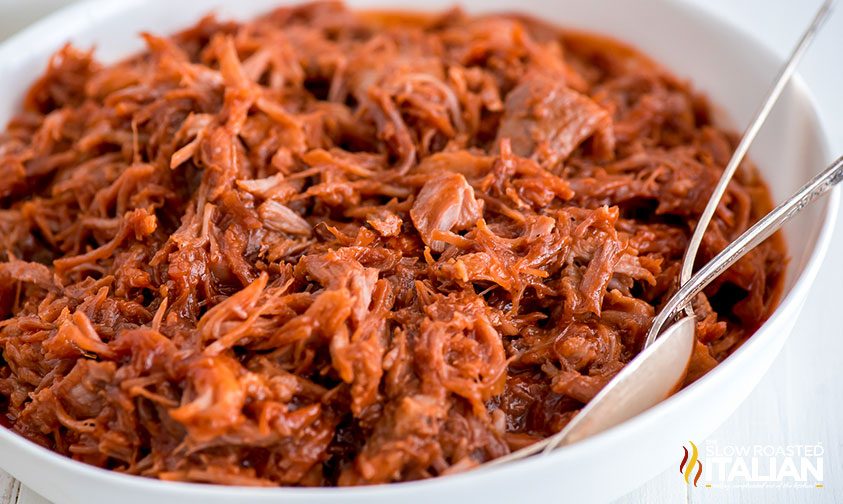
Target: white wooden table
801, 399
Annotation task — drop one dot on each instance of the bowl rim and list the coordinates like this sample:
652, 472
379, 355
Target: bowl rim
55, 24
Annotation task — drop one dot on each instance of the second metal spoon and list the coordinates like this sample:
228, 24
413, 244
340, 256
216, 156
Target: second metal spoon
653, 375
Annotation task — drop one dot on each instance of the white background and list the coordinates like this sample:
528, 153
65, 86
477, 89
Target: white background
800, 401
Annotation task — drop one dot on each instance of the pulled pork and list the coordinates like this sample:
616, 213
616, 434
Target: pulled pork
336, 248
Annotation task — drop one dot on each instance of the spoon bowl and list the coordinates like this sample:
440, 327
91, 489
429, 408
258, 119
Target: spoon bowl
647, 380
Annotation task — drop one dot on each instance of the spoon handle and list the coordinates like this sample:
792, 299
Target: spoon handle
749, 135
752, 237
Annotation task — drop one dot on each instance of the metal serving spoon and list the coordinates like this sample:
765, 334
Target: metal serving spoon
748, 137
653, 374
672, 365
659, 369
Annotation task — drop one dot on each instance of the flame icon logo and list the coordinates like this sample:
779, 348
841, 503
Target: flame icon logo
689, 462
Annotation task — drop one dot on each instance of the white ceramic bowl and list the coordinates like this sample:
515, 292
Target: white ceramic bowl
721, 60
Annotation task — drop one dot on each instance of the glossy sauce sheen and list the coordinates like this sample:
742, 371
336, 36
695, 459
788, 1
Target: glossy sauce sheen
329, 248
